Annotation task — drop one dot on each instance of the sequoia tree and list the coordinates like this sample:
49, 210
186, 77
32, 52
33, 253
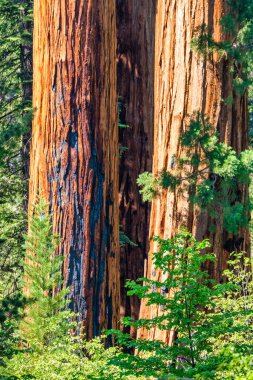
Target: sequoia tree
74, 153
135, 82
195, 76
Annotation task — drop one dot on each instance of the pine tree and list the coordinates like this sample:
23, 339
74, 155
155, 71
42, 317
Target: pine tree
47, 317
50, 349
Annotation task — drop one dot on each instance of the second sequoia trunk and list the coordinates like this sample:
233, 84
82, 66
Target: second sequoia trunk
74, 154
187, 83
135, 35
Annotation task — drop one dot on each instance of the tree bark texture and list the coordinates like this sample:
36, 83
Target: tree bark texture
74, 153
135, 68
187, 83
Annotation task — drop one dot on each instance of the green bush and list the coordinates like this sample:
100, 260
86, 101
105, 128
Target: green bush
212, 324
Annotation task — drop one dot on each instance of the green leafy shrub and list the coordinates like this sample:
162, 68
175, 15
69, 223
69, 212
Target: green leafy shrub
212, 324
234, 309
72, 360
148, 186
235, 365
183, 295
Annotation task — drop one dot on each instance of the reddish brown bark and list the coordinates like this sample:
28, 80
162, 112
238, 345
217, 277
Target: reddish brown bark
135, 35
74, 154
186, 83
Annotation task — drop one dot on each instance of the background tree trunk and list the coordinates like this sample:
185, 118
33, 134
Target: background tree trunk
74, 153
135, 34
26, 81
186, 83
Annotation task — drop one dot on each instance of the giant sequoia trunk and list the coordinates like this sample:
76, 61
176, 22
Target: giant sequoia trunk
135, 34
74, 154
186, 83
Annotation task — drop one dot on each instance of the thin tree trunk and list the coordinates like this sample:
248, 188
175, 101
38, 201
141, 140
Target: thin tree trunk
135, 35
74, 154
187, 83
26, 81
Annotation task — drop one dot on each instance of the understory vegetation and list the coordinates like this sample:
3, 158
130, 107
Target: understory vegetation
211, 323
39, 340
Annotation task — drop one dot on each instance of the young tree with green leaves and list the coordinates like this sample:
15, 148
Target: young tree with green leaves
233, 312
182, 294
211, 323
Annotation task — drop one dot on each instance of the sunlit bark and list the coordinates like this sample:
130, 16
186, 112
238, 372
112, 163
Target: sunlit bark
74, 154
187, 83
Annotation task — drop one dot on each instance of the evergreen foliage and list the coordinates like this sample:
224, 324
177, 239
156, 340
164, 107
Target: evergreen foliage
12, 223
15, 120
184, 288
212, 324
50, 349
234, 309
15, 109
210, 171
47, 312
73, 360
237, 45
10, 313
124, 239
15, 117
122, 125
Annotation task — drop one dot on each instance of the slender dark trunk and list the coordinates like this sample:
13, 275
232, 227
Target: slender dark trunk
26, 82
135, 53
